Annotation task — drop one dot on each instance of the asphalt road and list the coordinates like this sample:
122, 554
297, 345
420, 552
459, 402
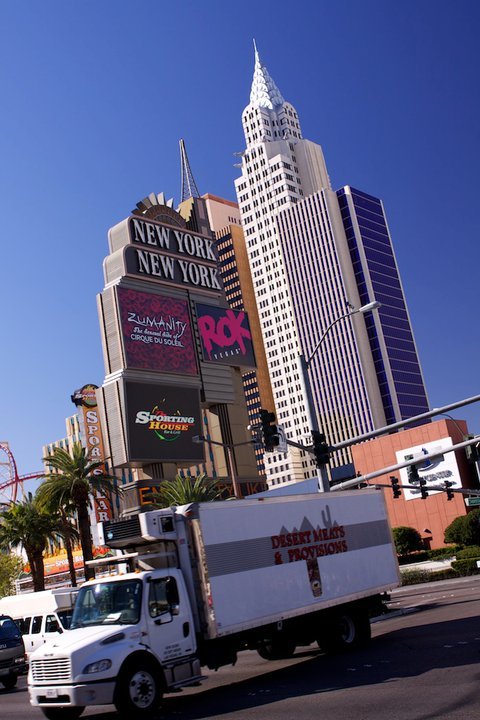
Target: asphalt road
423, 664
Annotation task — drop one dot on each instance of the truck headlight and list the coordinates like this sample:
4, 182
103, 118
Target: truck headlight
99, 666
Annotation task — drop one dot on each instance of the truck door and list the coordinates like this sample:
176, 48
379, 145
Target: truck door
169, 620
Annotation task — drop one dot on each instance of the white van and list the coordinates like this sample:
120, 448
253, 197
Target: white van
41, 615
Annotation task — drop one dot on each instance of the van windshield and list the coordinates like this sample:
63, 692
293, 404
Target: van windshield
8, 629
105, 603
65, 618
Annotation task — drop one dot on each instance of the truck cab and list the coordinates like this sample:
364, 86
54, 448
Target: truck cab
131, 637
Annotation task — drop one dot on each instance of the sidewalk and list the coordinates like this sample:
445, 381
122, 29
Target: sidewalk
428, 565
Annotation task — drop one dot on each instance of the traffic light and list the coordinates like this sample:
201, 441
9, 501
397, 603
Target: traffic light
320, 448
413, 476
396, 490
269, 430
447, 485
423, 490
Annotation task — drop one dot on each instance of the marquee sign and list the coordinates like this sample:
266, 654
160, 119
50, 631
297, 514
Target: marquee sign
162, 421
157, 332
225, 336
171, 255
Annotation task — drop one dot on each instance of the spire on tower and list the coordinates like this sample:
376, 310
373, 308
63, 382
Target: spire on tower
189, 186
264, 92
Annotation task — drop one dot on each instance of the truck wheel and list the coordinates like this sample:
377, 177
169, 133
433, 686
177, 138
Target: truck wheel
138, 693
345, 630
63, 713
9, 682
277, 648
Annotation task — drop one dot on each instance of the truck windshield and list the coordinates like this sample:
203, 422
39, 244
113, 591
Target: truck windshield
8, 629
105, 603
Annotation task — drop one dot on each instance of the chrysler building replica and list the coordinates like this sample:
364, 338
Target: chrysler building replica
316, 255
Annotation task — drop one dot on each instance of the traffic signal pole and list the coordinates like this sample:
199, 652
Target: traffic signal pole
324, 480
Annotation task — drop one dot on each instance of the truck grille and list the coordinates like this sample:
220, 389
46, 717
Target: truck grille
54, 670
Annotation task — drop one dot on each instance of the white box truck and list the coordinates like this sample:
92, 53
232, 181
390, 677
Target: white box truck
212, 579
40, 616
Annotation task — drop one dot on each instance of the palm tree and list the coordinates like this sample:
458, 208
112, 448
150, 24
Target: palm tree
75, 480
26, 524
185, 490
66, 529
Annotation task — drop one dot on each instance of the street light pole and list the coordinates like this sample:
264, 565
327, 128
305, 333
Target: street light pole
237, 492
305, 373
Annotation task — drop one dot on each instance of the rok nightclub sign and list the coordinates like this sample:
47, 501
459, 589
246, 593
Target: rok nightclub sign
162, 421
225, 336
157, 332
171, 255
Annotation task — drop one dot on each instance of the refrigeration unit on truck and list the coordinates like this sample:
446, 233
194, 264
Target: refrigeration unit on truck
210, 580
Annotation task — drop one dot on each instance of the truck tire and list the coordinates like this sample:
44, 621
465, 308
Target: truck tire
344, 631
277, 648
139, 690
9, 682
62, 713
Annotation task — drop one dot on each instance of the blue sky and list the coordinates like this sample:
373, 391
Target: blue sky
96, 95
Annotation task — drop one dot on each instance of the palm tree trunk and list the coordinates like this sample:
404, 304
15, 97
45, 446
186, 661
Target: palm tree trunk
71, 563
85, 538
35, 558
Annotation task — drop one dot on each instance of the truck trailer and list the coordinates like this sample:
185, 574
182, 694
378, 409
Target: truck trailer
209, 580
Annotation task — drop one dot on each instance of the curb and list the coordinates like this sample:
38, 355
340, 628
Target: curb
394, 613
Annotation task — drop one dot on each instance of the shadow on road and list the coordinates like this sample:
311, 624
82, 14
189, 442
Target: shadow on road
400, 653
393, 654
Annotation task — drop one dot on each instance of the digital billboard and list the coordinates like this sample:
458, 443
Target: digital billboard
225, 336
157, 332
162, 421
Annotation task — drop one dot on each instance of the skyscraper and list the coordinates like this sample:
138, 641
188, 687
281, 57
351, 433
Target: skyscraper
315, 254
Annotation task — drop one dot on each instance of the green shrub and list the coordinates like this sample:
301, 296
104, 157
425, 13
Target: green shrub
413, 577
416, 557
469, 552
466, 567
464, 530
406, 540
442, 553
445, 574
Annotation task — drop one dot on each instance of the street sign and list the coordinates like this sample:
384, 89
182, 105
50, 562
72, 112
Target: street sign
472, 501
282, 446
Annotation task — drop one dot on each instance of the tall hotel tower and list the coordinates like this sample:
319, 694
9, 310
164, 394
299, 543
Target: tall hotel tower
314, 255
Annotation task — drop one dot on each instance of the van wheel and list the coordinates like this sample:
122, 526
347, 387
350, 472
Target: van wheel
9, 682
63, 713
138, 692
345, 630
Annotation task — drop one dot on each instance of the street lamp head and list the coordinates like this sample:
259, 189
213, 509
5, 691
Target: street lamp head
374, 305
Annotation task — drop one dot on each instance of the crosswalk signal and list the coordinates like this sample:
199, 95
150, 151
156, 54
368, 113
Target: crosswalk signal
321, 450
447, 485
395, 487
269, 430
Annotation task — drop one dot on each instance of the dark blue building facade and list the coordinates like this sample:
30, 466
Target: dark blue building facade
392, 343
